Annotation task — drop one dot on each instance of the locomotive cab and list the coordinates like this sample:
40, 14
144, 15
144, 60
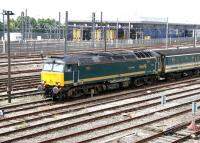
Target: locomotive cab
56, 74
53, 74
52, 78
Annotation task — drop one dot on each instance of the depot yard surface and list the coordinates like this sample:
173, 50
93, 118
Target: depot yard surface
132, 115
128, 115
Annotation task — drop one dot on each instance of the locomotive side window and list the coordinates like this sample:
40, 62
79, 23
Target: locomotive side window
68, 68
173, 60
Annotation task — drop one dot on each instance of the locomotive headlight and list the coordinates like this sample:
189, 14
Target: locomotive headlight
58, 83
43, 82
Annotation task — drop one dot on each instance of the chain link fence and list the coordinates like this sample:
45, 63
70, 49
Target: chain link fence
32, 46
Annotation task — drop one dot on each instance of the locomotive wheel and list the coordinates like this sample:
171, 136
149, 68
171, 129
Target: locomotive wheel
149, 80
138, 82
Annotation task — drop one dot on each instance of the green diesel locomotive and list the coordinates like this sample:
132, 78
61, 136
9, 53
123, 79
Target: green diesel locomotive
78, 74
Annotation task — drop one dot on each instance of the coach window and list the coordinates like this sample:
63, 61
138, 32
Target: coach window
173, 60
68, 68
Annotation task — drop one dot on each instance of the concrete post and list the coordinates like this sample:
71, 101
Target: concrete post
194, 107
4, 47
163, 100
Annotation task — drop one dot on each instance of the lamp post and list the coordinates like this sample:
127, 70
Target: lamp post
117, 34
167, 27
59, 26
4, 46
194, 38
3, 27
66, 31
105, 37
9, 87
93, 29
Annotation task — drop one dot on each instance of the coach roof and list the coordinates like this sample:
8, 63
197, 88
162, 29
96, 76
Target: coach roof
178, 51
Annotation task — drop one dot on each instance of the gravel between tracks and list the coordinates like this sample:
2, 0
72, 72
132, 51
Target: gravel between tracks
105, 120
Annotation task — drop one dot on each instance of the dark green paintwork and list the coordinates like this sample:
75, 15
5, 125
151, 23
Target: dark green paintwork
108, 69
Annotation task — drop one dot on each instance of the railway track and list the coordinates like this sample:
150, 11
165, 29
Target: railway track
176, 134
60, 52
22, 94
20, 80
3, 81
180, 112
21, 84
19, 87
21, 72
31, 119
26, 105
62, 137
21, 63
123, 95
25, 59
126, 108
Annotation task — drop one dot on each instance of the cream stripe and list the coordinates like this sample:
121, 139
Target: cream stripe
111, 76
68, 81
181, 67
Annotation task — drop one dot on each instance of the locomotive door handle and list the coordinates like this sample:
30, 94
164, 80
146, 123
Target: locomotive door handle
78, 75
73, 76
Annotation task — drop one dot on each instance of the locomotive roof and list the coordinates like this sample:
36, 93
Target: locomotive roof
178, 51
90, 58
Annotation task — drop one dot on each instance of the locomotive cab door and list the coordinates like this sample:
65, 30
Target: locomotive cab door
71, 73
75, 74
